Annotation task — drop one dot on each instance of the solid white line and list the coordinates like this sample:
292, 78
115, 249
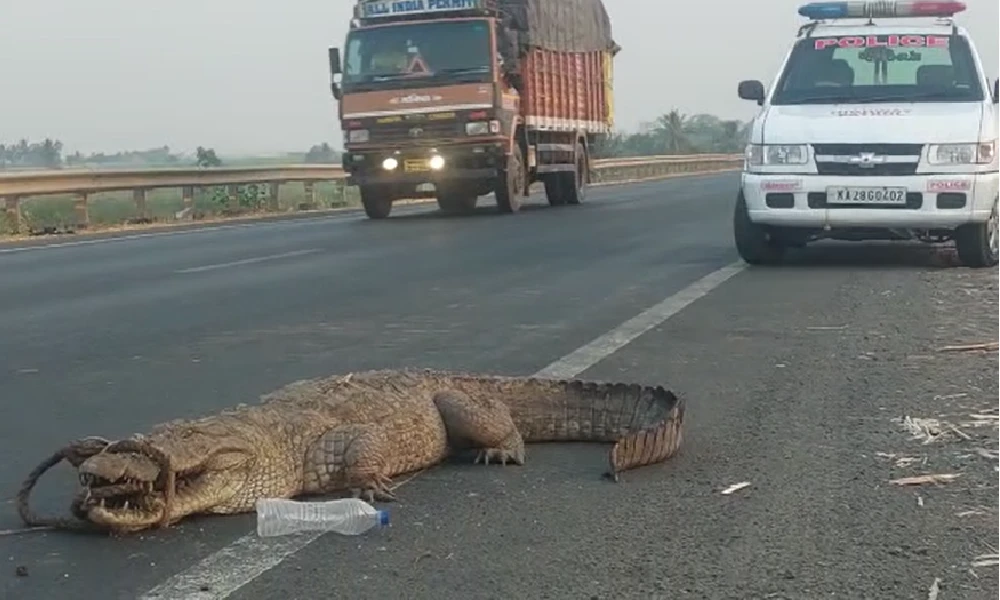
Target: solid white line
155, 234
584, 357
346, 215
246, 261
231, 568
227, 570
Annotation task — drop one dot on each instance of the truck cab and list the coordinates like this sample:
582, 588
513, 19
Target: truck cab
880, 124
432, 103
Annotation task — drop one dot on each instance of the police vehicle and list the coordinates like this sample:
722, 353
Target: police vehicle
881, 124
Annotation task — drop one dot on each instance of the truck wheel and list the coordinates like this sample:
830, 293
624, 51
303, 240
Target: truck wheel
553, 191
977, 242
569, 187
575, 186
453, 203
377, 204
752, 241
510, 182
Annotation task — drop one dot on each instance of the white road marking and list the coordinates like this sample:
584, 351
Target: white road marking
155, 234
350, 214
247, 261
585, 357
224, 572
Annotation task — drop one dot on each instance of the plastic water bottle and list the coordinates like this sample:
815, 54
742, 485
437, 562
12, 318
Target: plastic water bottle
347, 516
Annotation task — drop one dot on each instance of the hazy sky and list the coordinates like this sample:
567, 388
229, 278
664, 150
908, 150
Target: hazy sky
251, 75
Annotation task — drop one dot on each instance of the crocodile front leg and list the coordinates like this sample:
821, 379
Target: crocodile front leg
349, 457
483, 424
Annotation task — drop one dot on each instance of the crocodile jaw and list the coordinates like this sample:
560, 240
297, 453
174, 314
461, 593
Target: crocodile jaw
124, 492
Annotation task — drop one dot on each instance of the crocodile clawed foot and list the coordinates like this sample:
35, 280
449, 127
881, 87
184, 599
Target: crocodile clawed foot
499, 455
378, 491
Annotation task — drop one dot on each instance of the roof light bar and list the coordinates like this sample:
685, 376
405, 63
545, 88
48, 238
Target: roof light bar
860, 9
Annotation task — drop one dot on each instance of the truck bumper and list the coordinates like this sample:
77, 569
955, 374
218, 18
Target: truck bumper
412, 167
932, 201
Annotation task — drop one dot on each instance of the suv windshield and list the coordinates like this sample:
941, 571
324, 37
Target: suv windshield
879, 68
409, 55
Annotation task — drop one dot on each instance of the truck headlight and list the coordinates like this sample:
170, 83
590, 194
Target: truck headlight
482, 127
358, 136
436, 162
390, 164
758, 155
961, 154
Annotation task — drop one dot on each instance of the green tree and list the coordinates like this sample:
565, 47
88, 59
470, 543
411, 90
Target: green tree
205, 157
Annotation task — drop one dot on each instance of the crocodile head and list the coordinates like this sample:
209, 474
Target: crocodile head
135, 485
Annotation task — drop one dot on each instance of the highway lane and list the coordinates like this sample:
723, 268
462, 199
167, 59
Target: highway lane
110, 338
793, 377
796, 380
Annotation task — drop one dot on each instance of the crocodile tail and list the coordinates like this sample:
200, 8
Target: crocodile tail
643, 422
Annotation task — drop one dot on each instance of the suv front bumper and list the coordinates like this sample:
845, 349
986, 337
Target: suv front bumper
942, 201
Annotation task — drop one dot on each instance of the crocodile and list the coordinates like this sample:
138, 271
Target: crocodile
352, 434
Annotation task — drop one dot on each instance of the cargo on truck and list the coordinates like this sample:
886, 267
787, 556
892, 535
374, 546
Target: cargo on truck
457, 99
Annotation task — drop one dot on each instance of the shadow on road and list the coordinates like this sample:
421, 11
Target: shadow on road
873, 255
485, 209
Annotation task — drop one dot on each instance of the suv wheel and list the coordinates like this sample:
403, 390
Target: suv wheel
753, 243
977, 242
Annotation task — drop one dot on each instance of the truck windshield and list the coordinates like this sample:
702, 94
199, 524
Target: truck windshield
855, 69
417, 54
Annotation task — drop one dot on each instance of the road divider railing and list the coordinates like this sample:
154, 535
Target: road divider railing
81, 184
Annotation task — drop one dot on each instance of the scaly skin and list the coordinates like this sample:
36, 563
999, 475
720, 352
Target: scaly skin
355, 433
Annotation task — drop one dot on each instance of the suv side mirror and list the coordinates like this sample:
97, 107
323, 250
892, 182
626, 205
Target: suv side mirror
996, 91
751, 89
333, 56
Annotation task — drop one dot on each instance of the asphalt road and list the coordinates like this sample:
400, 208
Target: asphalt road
793, 378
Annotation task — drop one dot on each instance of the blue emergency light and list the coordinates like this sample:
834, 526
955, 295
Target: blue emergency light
859, 9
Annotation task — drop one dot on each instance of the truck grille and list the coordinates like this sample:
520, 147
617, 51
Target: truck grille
893, 152
416, 131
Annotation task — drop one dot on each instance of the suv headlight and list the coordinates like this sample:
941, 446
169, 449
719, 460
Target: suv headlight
961, 154
358, 136
759, 155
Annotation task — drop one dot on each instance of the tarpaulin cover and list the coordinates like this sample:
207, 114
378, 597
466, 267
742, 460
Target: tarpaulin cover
563, 25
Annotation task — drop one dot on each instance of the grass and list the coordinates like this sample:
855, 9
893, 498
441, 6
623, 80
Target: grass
109, 209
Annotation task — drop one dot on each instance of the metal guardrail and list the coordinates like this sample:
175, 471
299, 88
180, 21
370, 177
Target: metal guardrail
81, 183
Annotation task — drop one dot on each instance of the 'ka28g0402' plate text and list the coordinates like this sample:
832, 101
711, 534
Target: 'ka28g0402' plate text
866, 195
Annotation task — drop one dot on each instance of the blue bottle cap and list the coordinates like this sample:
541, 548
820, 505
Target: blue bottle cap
383, 517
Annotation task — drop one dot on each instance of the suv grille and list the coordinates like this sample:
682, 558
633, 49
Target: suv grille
874, 169
878, 149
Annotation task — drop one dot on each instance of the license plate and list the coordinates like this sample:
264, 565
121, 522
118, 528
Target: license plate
866, 195
416, 165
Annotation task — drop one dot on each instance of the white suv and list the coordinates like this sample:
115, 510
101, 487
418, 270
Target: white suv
883, 128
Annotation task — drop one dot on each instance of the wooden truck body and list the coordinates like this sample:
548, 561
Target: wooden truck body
456, 99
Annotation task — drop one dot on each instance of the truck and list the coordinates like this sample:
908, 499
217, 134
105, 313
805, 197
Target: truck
457, 99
